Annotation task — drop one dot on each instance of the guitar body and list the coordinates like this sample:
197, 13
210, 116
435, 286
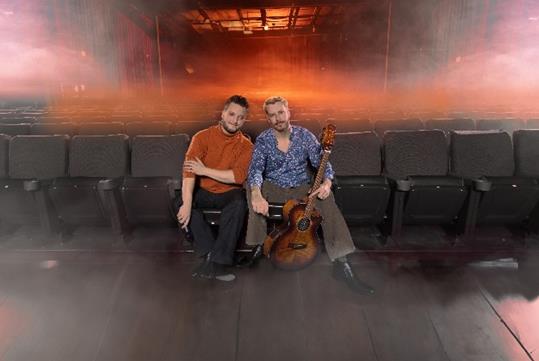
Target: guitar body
297, 246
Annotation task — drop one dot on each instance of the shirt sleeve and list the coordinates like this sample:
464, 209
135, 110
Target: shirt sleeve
315, 152
241, 165
258, 164
196, 150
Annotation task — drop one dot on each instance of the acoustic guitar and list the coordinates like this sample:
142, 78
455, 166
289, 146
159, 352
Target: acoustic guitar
295, 245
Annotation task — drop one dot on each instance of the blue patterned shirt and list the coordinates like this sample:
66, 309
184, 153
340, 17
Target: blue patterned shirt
287, 170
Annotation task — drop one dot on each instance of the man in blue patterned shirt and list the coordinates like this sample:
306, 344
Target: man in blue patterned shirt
279, 172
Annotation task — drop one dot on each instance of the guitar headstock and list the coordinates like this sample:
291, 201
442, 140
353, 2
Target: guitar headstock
327, 138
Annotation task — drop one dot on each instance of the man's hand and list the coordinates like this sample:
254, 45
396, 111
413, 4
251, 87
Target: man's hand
323, 191
195, 166
260, 205
184, 216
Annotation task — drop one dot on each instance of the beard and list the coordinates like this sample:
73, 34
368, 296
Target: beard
281, 126
227, 128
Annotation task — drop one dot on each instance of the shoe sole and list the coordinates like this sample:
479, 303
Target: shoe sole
226, 278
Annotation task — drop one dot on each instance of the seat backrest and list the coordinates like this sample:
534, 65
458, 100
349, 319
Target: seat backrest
103, 156
17, 120
4, 152
37, 156
527, 153
253, 128
508, 125
475, 154
125, 118
532, 124
312, 125
158, 156
382, 126
148, 128
53, 128
54, 119
101, 128
191, 127
413, 153
351, 126
356, 154
450, 124
15, 129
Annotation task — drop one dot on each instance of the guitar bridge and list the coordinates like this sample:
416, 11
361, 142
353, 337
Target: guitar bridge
295, 245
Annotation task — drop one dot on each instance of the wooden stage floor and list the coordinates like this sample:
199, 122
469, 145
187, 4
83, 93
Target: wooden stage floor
127, 305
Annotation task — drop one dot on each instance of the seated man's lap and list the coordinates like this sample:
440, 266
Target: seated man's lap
205, 199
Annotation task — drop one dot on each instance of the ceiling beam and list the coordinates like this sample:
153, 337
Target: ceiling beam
315, 16
296, 13
263, 16
215, 26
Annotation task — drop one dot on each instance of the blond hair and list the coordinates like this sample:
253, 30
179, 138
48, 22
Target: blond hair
273, 100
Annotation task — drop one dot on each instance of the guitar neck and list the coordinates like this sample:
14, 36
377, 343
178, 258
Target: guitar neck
317, 182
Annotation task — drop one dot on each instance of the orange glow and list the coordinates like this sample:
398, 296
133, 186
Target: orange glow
11, 325
39, 61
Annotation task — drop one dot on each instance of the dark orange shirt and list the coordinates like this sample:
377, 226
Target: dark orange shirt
220, 151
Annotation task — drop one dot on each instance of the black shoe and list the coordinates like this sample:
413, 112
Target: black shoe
252, 259
203, 267
217, 271
343, 271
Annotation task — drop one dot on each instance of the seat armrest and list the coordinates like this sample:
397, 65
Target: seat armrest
175, 184
107, 184
481, 184
32, 185
402, 185
275, 211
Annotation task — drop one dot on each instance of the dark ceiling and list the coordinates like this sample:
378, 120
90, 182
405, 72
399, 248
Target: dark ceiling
234, 18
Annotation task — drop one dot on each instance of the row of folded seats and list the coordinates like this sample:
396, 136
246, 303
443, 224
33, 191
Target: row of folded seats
421, 177
253, 128
463, 180
61, 182
131, 129
446, 124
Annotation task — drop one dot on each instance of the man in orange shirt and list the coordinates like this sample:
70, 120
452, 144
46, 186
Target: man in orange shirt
217, 160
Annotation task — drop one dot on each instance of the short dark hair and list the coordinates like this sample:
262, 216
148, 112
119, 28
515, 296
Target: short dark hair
238, 99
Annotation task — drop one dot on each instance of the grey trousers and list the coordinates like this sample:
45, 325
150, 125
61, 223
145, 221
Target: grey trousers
337, 238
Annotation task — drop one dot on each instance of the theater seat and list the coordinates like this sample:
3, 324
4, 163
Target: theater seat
91, 195
448, 124
508, 125
351, 126
381, 126
34, 161
532, 124
4, 155
191, 127
101, 128
148, 128
252, 128
498, 196
361, 192
156, 176
527, 166
312, 125
417, 162
15, 129
53, 128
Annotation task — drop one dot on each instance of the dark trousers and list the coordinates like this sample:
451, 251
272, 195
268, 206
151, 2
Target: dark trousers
233, 207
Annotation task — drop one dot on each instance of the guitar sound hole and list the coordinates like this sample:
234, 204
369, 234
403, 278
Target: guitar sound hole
304, 224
